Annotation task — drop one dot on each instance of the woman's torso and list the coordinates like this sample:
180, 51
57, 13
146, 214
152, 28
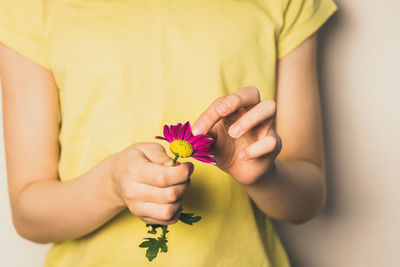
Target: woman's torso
124, 69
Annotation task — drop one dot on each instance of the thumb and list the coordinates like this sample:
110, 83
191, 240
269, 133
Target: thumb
156, 153
167, 162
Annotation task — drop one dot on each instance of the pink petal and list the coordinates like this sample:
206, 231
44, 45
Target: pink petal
175, 131
203, 154
202, 146
205, 159
202, 150
160, 137
202, 142
182, 131
198, 137
167, 133
188, 133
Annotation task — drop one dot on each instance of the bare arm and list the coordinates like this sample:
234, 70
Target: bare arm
295, 190
44, 209
282, 169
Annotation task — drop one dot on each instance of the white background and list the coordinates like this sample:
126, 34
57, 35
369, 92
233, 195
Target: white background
359, 70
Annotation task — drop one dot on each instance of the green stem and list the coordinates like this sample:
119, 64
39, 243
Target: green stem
164, 230
165, 227
175, 159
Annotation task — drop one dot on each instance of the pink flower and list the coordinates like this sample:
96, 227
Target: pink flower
184, 144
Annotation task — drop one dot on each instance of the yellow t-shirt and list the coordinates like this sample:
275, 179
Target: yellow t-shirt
125, 68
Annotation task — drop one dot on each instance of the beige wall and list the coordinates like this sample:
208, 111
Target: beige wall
359, 70
359, 57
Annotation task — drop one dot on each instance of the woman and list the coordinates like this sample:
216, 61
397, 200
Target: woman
88, 84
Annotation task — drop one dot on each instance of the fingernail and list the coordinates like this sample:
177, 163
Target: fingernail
234, 130
222, 108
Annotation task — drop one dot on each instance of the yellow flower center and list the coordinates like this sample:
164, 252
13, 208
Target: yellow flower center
182, 148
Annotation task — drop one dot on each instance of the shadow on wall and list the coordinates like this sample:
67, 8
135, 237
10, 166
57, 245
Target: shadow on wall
325, 35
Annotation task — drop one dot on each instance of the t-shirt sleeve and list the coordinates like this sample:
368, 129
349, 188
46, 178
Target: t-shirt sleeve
22, 28
301, 18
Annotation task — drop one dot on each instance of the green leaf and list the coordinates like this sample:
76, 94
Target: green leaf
150, 242
153, 228
164, 247
152, 252
188, 218
152, 231
154, 245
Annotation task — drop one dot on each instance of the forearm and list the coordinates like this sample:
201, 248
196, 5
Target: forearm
294, 191
53, 211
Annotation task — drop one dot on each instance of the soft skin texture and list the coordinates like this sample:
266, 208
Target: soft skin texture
140, 177
45, 210
277, 155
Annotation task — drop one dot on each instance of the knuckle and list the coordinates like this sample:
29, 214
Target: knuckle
255, 91
272, 141
128, 169
160, 180
172, 195
181, 177
234, 100
168, 212
125, 188
134, 210
180, 174
174, 220
130, 194
185, 171
271, 104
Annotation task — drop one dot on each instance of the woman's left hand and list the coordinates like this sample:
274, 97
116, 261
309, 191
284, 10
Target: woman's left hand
246, 142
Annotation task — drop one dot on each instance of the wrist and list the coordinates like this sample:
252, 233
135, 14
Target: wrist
110, 182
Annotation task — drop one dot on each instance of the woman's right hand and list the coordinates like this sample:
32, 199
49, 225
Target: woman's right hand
147, 183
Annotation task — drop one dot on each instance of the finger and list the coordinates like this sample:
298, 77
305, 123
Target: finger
149, 173
270, 144
243, 98
156, 153
159, 212
259, 113
168, 195
174, 220
234, 116
264, 127
224, 106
